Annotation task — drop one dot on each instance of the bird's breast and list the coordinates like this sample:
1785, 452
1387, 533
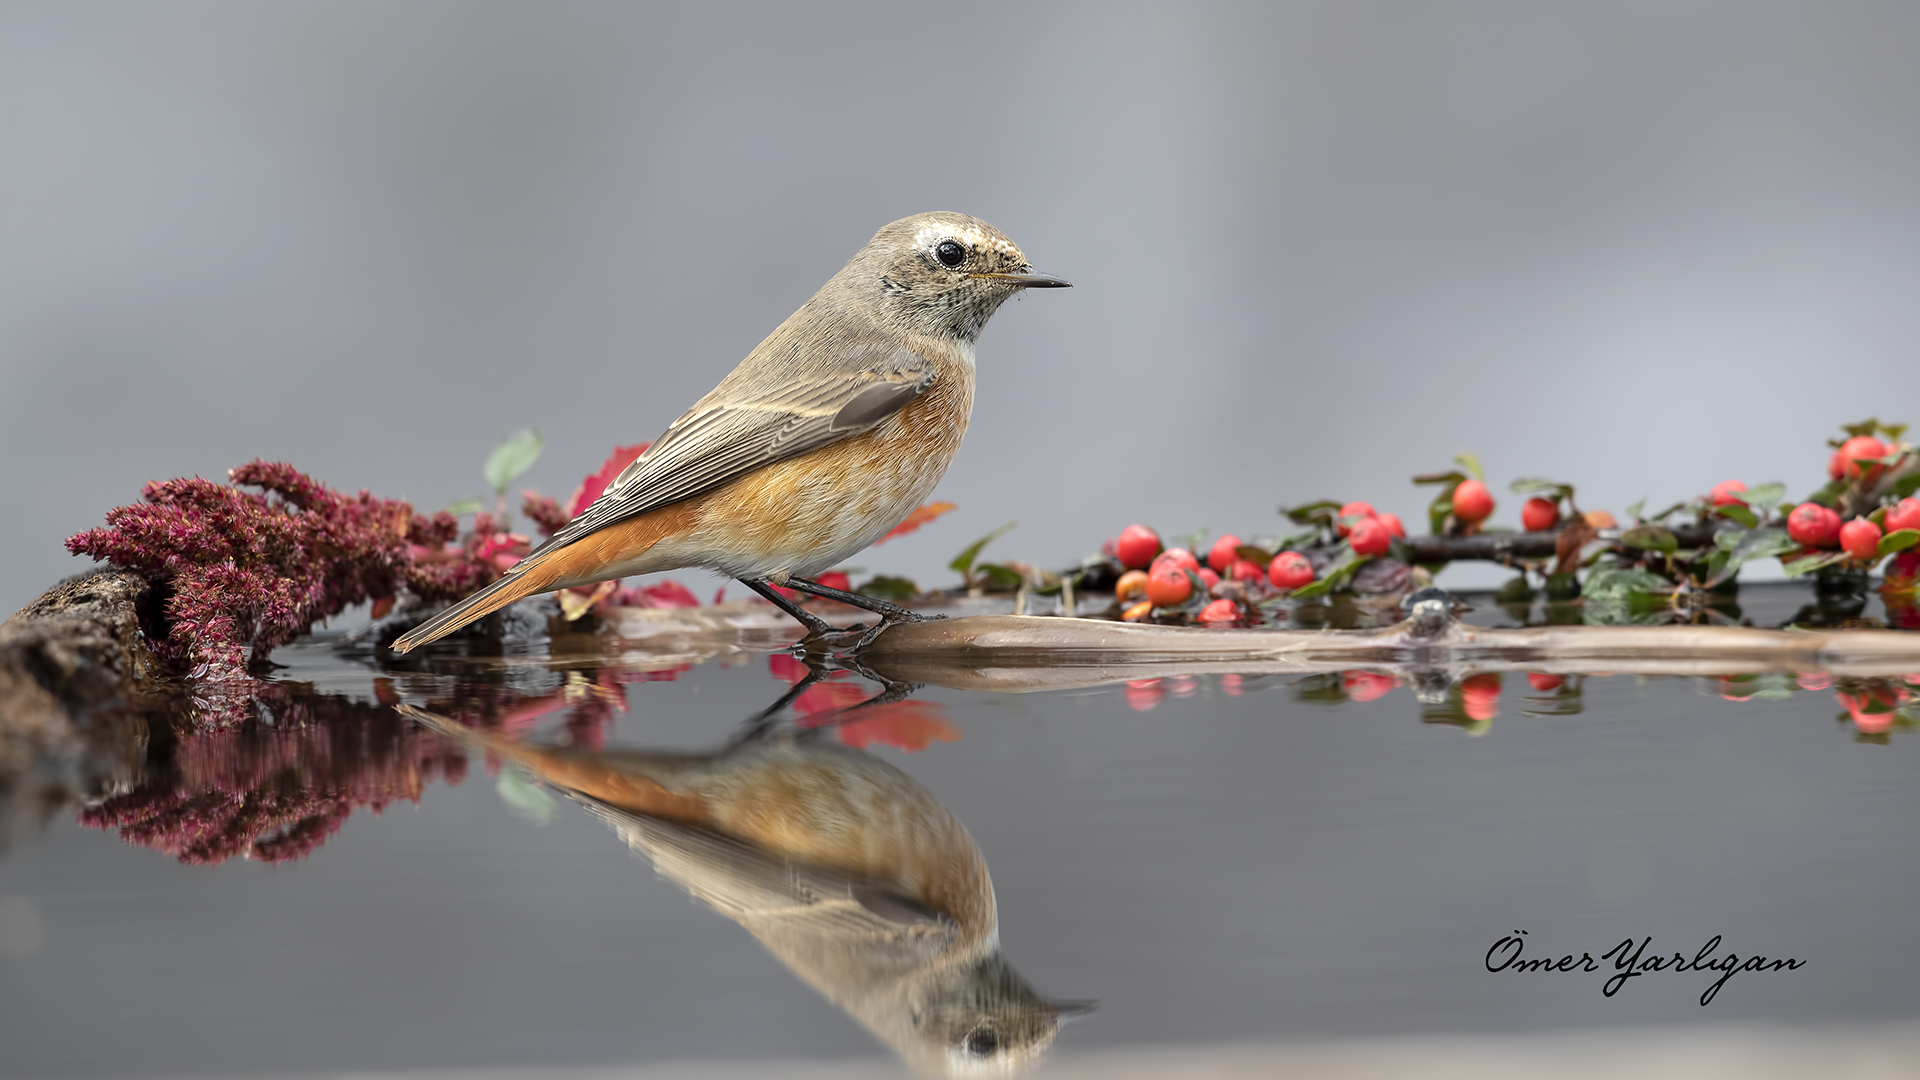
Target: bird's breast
808, 513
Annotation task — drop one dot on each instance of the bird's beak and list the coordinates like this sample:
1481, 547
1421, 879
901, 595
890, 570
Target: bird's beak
1069, 1011
1031, 280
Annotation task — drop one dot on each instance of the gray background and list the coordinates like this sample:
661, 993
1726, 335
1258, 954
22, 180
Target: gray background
1317, 247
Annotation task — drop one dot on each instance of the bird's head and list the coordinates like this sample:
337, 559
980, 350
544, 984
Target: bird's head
939, 274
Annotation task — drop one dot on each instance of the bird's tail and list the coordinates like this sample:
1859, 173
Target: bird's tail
529, 576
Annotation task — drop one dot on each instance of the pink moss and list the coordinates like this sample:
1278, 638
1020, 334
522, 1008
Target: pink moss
249, 572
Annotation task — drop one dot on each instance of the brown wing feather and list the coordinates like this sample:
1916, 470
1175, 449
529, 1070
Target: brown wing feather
719, 440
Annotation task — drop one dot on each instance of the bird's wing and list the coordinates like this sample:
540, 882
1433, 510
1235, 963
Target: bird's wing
754, 886
724, 437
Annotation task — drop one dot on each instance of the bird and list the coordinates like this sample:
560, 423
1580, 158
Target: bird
847, 869
825, 437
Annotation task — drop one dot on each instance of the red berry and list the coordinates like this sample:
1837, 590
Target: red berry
1860, 538
1289, 570
1862, 446
1540, 514
1480, 695
1813, 525
1144, 694
1352, 512
1180, 557
1472, 502
1544, 682
1168, 585
835, 579
1242, 570
1220, 611
1367, 685
1137, 546
1904, 514
1223, 552
1132, 587
1370, 537
1837, 465
1209, 578
1392, 522
1723, 493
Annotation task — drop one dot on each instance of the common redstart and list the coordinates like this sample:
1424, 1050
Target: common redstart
846, 869
825, 437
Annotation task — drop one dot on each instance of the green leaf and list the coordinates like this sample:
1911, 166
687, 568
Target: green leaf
1621, 583
525, 797
1651, 538
997, 578
963, 562
1764, 497
1633, 512
1906, 485
1342, 569
1468, 461
512, 458
1898, 541
1811, 563
1746, 547
889, 588
1313, 513
1448, 478
1739, 513
1254, 554
464, 507
1532, 484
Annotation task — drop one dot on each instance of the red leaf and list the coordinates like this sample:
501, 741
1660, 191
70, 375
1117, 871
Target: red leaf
910, 725
923, 514
667, 594
595, 485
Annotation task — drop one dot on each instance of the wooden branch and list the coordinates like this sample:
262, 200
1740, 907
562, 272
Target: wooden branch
1503, 547
66, 661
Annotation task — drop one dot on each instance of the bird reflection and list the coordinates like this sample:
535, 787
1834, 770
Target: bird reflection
844, 867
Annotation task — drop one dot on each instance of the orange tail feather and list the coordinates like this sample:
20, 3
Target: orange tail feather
538, 577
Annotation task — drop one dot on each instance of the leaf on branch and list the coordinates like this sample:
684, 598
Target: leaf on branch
1313, 513
1763, 497
1651, 538
1898, 541
963, 562
1739, 513
1254, 554
889, 588
997, 578
1469, 461
921, 515
463, 507
1744, 547
1808, 565
512, 458
1621, 583
1532, 484
1343, 568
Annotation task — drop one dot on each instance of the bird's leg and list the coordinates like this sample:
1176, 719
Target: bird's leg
808, 619
818, 630
763, 722
890, 692
889, 611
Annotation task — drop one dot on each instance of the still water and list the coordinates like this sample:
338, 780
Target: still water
578, 861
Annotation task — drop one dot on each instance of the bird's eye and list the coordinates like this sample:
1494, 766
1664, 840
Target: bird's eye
983, 1043
950, 254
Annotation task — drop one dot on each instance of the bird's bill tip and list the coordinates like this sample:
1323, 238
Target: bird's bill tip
1032, 280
